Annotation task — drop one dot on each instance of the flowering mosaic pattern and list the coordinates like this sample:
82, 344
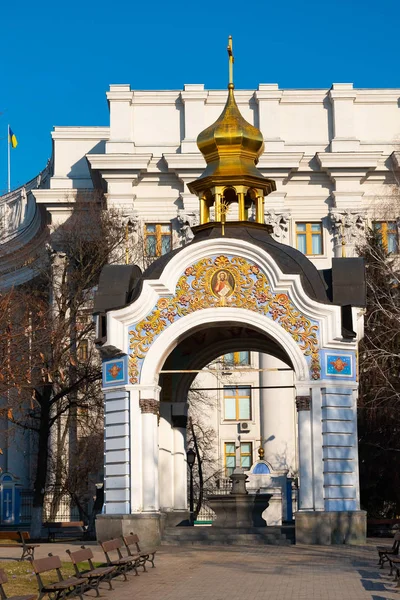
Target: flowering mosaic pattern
223, 281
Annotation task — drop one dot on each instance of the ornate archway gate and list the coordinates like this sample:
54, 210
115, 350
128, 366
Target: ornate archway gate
182, 300
233, 274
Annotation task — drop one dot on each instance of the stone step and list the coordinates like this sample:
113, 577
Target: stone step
189, 536
224, 542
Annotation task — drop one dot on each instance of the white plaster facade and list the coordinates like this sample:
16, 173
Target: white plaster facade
333, 154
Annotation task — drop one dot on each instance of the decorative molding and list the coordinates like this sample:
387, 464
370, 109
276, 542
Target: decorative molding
303, 403
348, 228
279, 222
223, 281
348, 160
150, 406
187, 220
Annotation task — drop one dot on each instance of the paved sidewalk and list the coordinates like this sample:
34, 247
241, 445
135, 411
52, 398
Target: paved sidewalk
256, 573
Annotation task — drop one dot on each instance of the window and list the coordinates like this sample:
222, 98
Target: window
230, 458
388, 235
246, 456
158, 239
236, 359
83, 350
309, 238
237, 403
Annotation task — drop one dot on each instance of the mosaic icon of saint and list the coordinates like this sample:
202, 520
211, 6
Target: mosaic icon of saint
221, 286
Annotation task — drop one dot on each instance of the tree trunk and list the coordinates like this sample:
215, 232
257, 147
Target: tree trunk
41, 465
200, 471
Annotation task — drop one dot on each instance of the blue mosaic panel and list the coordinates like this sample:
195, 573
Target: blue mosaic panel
115, 372
335, 365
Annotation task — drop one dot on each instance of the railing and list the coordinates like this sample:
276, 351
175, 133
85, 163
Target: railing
65, 509
222, 487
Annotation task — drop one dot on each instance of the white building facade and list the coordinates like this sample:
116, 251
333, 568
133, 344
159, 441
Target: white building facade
334, 156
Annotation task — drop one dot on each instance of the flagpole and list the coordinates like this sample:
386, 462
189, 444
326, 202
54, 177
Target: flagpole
9, 158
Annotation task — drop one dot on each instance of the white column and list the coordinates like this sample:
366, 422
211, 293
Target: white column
179, 423
166, 457
150, 490
193, 98
342, 96
135, 451
318, 464
306, 496
117, 452
277, 408
121, 120
268, 97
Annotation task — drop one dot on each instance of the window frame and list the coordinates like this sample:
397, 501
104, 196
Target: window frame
230, 454
83, 350
234, 455
158, 234
236, 359
237, 402
246, 453
308, 234
384, 231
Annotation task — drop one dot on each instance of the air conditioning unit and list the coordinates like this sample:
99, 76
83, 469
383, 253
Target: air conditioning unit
244, 426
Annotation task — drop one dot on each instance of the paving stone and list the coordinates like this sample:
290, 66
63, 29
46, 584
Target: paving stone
259, 573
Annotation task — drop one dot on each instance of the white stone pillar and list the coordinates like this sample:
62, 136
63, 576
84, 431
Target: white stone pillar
121, 120
166, 457
268, 97
179, 422
342, 96
277, 409
193, 98
306, 495
317, 458
150, 408
117, 453
135, 451
348, 227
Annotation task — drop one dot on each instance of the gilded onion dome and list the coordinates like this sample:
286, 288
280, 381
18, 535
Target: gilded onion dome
231, 147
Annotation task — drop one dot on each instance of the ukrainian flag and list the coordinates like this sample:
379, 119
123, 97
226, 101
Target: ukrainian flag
12, 138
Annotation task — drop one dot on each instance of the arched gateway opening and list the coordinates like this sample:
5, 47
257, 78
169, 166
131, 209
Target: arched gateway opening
232, 288
236, 385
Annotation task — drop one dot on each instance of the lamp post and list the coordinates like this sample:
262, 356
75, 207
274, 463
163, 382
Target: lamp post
191, 458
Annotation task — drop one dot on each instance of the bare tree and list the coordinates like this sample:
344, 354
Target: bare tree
45, 377
379, 365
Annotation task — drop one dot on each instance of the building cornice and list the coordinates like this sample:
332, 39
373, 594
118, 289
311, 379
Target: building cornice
124, 162
80, 133
348, 160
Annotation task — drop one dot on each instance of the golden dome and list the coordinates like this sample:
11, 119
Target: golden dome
231, 146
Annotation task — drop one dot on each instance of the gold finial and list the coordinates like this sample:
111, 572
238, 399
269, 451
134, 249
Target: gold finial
224, 208
231, 61
261, 453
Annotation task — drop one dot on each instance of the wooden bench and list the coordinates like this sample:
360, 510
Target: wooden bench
94, 576
20, 537
62, 588
121, 563
64, 529
394, 562
385, 552
132, 541
4, 579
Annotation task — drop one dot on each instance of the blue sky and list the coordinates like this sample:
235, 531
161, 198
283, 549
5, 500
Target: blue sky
58, 58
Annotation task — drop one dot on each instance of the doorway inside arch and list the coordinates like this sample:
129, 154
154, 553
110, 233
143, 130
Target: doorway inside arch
234, 389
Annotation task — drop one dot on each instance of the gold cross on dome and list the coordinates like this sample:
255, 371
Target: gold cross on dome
231, 59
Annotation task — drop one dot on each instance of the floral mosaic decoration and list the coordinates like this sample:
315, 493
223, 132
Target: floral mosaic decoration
223, 281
